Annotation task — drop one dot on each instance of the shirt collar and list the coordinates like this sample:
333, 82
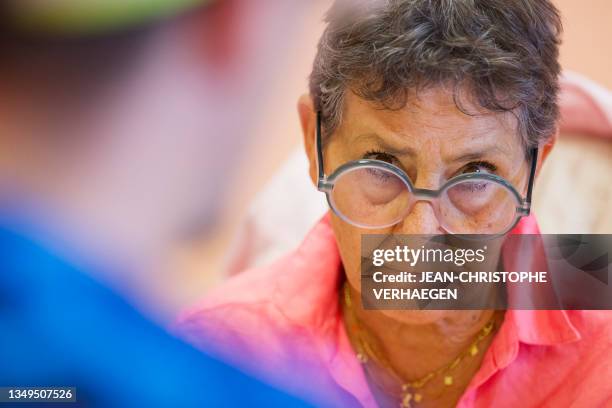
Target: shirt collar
540, 327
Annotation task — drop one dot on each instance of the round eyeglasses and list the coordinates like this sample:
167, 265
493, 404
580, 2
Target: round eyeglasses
375, 194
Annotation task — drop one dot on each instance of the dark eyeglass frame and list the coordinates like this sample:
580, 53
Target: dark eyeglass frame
326, 184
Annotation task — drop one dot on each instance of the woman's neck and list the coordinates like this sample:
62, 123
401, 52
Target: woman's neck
414, 348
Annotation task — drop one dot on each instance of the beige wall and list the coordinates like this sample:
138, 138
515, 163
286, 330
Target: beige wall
587, 40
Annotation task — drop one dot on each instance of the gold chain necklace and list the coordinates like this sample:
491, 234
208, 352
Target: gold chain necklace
410, 391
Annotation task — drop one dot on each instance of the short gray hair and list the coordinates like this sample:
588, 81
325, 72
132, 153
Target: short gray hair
505, 52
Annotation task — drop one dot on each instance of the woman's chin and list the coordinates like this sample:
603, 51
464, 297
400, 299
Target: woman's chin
416, 317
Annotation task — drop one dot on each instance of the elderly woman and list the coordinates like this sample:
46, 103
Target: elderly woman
407, 97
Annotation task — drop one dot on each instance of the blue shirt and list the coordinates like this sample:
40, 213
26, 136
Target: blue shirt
59, 327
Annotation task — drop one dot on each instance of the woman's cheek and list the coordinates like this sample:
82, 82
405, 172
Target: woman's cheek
348, 238
349, 244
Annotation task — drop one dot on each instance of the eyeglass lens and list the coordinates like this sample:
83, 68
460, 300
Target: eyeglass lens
375, 197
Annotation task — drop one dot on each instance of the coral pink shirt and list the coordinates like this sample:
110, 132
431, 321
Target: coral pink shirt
283, 323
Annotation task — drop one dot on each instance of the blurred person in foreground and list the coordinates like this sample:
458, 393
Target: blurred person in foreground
112, 121
458, 98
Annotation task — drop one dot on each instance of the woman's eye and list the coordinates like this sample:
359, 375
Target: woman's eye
478, 167
378, 174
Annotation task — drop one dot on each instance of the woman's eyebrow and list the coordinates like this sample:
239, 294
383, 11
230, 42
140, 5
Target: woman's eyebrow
476, 154
374, 138
408, 151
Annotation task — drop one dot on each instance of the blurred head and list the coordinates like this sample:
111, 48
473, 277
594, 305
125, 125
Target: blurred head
438, 89
130, 123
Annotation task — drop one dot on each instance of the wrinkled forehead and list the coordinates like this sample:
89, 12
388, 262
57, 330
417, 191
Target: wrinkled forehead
433, 116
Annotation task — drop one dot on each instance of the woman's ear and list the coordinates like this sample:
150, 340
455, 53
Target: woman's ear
547, 148
308, 120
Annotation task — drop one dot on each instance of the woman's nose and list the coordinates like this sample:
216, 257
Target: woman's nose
420, 220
